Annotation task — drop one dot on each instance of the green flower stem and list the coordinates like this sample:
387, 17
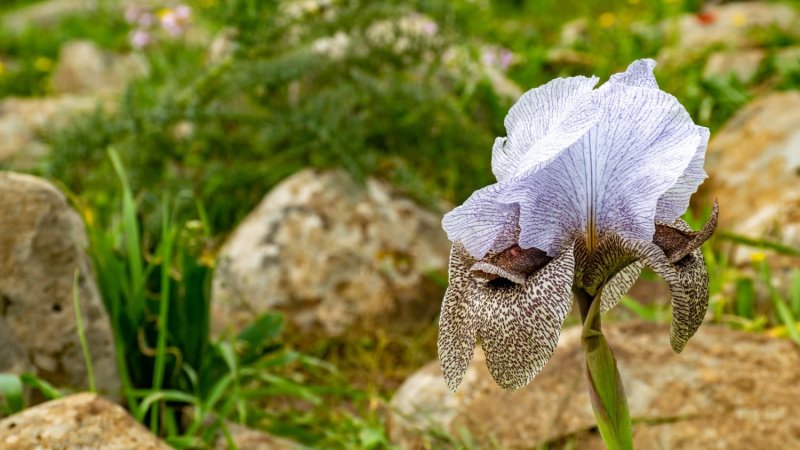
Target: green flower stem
605, 386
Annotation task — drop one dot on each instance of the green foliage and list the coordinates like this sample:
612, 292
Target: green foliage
156, 290
276, 106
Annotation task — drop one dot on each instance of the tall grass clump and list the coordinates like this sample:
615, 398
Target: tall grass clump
175, 378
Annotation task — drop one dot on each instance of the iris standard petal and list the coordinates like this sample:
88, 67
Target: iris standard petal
675, 201
520, 324
483, 224
639, 73
542, 123
458, 323
610, 180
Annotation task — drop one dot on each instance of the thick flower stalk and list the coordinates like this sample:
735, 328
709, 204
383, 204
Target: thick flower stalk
591, 184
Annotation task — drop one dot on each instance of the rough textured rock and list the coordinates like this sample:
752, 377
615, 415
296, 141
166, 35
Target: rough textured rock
754, 169
41, 246
727, 390
23, 119
81, 421
333, 256
249, 439
84, 68
742, 64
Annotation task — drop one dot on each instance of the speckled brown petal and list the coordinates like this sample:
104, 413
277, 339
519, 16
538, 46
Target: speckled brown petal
520, 324
678, 239
619, 285
689, 310
458, 323
687, 280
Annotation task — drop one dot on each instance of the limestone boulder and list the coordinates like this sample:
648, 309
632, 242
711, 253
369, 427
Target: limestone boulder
754, 170
81, 421
42, 245
727, 390
332, 255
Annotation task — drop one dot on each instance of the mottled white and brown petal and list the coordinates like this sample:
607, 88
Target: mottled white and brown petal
520, 324
458, 322
619, 285
517, 315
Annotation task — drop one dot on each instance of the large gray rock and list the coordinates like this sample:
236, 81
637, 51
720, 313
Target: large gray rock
727, 390
333, 256
754, 170
41, 246
81, 421
85, 68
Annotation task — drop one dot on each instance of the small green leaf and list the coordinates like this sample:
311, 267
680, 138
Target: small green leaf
12, 393
48, 391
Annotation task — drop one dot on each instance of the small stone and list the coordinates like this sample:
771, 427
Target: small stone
731, 24
333, 256
42, 244
728, 389
23, 119
249, 439
84, 68
742, 64
81, 421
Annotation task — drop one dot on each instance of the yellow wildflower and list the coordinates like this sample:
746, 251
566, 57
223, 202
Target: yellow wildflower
43, 64
739, 20
607, 19
758, 257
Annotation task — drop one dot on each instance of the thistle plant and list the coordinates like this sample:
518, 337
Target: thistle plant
591, 184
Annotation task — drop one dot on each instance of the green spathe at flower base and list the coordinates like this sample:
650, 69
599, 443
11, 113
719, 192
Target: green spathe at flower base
591, 184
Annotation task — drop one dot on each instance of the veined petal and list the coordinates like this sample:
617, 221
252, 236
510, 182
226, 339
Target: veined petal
689, 310
610, 180
687, 280
542, 123
675, 201
483, 224
639, 73
520, 324
458, 323
619, 285
681, 244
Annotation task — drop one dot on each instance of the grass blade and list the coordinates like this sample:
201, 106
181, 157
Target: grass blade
87, 357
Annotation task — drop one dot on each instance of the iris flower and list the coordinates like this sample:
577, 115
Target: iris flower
591, 184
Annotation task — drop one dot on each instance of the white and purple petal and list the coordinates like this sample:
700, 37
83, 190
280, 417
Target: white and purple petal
542, 123
675, 201
611, 179
483, 224
638, 74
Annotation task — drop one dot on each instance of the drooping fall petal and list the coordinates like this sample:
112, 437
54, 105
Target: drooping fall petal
520, 324
458, 323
